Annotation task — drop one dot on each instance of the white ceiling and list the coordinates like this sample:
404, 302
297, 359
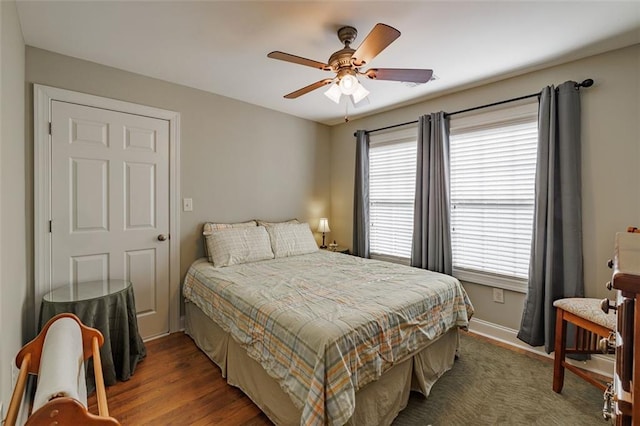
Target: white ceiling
221, 46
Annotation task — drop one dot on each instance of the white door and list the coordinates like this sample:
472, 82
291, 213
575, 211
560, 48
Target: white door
110, 204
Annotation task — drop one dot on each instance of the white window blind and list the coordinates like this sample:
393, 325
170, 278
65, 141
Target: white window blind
392, 175
493, 160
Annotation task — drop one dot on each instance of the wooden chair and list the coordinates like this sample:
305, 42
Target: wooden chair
61, 410
592, 325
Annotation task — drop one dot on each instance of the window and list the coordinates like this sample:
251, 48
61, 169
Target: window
392, 176
493, 161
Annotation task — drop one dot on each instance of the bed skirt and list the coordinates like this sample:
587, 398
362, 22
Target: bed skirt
377, 403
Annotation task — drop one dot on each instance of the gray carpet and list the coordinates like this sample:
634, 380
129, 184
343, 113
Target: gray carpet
491, 385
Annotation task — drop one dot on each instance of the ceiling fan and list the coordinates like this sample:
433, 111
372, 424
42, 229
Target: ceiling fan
346, 64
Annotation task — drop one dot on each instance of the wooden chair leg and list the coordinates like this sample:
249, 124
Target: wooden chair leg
559, 351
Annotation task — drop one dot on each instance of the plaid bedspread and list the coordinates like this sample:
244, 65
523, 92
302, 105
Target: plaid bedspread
326, 324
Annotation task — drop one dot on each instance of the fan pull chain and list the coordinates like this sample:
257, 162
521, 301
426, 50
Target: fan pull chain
346, 112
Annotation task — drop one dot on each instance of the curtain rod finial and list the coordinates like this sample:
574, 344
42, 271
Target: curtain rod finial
586, 83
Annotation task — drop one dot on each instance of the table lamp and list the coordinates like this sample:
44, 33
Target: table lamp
323, 226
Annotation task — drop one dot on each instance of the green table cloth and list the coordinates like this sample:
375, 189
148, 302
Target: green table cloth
110, 307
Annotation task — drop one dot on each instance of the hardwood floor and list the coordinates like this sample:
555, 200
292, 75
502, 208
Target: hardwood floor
177, 384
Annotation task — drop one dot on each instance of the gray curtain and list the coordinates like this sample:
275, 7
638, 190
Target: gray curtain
555, 269
431, 247
361, 196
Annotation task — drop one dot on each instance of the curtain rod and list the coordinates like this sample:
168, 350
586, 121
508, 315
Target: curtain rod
585, 83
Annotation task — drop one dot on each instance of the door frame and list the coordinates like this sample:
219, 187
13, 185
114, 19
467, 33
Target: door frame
42, 99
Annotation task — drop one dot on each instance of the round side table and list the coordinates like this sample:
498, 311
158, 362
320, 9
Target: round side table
110, 307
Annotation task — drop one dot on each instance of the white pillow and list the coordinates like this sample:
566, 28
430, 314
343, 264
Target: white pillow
233, 246
291, 239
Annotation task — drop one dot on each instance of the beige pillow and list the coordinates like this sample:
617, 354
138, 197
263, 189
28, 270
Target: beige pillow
291, 239
233, 246
208, 227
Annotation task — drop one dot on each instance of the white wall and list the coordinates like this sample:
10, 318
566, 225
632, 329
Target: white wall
610, 161
15, 276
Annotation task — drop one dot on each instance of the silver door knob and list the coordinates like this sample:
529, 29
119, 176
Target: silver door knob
163, 237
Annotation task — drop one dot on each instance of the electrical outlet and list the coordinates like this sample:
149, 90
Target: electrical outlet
187, 204
498, 295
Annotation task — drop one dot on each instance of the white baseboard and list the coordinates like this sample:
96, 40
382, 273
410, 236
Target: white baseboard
599, 364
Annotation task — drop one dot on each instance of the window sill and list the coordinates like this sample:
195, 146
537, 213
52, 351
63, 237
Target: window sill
518, 285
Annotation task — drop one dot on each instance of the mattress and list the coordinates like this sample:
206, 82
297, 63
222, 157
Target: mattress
324, 325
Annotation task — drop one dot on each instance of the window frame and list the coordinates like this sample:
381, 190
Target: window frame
525, 110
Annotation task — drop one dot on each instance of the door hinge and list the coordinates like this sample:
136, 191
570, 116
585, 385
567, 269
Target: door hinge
49, 226
49, 127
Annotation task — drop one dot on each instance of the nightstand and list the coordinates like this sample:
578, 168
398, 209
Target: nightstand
338, 249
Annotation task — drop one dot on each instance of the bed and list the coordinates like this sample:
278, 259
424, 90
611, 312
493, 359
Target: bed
316, 337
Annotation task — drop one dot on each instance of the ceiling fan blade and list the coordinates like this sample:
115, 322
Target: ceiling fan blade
298, 60
309, 88
399, 74
376, 41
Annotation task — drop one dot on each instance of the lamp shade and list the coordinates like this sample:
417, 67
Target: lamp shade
360, 93
348, 84
323, 225
334, 93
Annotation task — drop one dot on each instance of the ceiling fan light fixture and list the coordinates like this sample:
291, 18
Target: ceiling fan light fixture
360, 93
349, 84
334, 93
346, 63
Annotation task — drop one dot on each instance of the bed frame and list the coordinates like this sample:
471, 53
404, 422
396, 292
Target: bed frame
377, 403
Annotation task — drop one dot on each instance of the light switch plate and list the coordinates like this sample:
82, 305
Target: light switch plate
187, 204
